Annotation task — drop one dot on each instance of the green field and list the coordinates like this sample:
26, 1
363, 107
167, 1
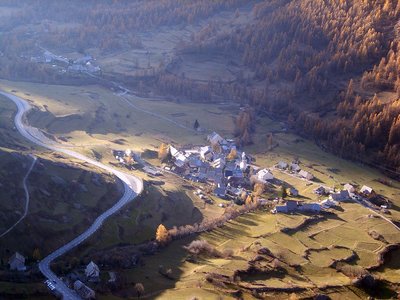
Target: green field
334, 238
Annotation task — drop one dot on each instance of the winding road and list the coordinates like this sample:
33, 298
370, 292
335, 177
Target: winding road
26, 198
132, 187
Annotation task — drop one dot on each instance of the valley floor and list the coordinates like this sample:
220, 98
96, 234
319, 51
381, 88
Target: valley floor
95, 120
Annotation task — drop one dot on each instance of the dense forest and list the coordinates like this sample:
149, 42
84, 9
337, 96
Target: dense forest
331, 68
323, 65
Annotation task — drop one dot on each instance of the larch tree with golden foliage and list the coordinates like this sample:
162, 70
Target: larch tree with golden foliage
36, 254
162, 235
163, 152
249, 200
232, 154
258, 189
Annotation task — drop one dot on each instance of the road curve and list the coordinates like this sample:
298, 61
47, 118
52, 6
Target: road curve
132, 187
26, 197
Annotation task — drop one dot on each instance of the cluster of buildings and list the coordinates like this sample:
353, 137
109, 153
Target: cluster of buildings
334, 198
219, 164
295, 168
84, 64
92, 274
229, 171
127, 157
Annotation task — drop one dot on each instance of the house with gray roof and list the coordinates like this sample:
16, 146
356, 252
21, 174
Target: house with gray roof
310, 207
282, 165
341, 196
17, 262
294, 206
264, 175
83, 290
295, 167
92, 271
306, 175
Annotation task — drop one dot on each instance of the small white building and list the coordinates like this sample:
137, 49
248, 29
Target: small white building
349, 188
328, 203
243, 165
180, 158
83, 60
92, 271
264, 175
306, 175
243, 162
215, 139
128, 152
206, 153
366, 190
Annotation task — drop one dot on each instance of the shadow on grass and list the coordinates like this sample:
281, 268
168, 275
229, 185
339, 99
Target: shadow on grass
245, 220
262, 276
155, 283
229, 231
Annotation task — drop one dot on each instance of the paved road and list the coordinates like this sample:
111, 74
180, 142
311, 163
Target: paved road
26, 198
132, 187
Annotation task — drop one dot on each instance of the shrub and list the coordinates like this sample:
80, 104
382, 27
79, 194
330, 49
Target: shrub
353, 271
201, 247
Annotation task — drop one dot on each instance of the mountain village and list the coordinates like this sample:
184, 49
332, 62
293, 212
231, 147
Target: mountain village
221, 169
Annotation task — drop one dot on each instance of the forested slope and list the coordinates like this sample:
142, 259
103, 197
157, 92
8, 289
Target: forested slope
323, 65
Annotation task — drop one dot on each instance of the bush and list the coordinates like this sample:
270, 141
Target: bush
201, 247
227, 253
353, 271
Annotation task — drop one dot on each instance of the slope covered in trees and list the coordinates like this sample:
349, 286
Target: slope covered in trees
319, 64
331, 68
